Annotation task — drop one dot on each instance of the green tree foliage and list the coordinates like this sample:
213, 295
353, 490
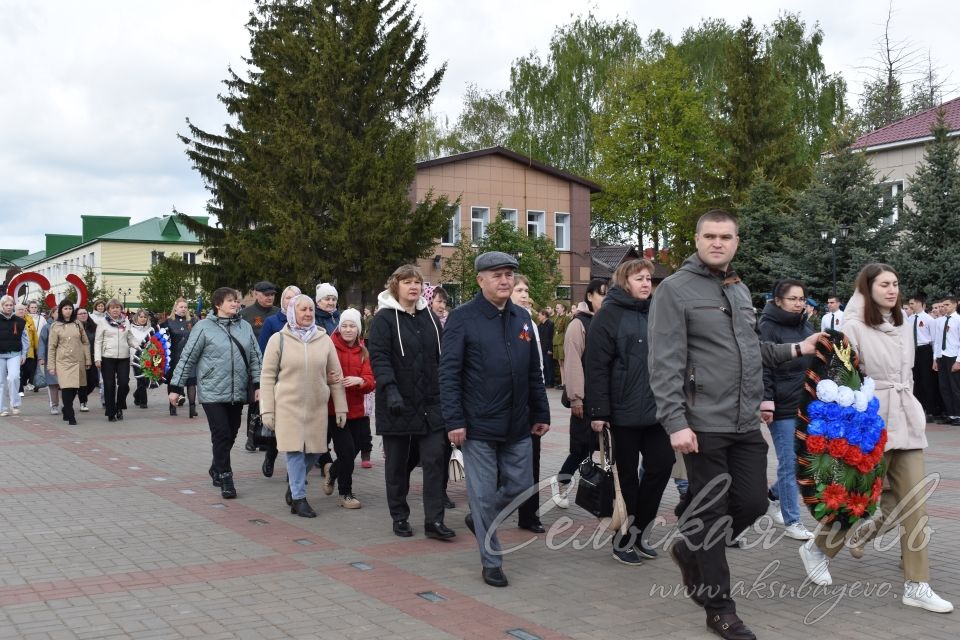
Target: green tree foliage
844, 191
97, 288
926, 260
537, 257
766, 228
656, 147
555, 99
170, 278
311, 180
486, 120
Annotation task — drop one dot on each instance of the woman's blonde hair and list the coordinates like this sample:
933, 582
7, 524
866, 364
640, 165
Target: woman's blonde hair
113, 302
628, 268
173, 309
403, 272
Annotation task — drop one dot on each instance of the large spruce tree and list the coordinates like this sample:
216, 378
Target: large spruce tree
312, 178
926, 260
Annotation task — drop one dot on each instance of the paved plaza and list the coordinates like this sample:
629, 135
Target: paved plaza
113, 530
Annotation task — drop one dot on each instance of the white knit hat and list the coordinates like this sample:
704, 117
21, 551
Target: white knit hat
325, 289
350, 315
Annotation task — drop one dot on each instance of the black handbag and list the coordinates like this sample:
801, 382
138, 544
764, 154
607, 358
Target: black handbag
596, 490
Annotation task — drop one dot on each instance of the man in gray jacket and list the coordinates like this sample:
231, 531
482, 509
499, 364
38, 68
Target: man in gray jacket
706, 370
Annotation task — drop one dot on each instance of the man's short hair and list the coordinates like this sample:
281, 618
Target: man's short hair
952, 299
837, 298
919, 297
717, 215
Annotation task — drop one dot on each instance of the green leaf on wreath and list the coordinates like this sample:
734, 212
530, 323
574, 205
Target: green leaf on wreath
850, 477
866, 483
819, 510
850, 378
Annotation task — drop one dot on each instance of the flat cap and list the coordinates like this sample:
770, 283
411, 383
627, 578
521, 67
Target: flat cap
265, 287
495, 260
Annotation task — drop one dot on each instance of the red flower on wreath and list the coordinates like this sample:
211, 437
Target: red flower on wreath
837, 448
834, 496
866, 464
882, 443
853, 456
877, 489
857, 503
816, 444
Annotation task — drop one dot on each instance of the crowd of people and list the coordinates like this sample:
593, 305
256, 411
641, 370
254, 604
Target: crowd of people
682, 373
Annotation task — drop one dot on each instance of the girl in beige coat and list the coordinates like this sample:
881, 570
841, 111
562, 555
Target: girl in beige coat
68, 357
294, 391
873, 323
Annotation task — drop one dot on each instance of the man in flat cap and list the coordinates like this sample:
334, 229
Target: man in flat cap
256, 314
493, 398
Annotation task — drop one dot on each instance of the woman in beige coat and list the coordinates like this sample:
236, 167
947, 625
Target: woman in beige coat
68, 357
294, 391
873, 323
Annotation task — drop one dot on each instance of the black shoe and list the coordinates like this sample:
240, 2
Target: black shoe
214, 476
288, 496
111, 418
302, 508
72, 421
644, 551
689, 572
494, 577
119, 415
628, 556
438, 531
180, 401
249, 446
955, 422
173, 409
193, 410
448, 503
227, 490
402, 528
534, 525
267, 467
468, 520
143, 406
729, 626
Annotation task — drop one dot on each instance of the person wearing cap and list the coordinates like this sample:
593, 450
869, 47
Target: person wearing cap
328, 316
256, 314
404, 349
493, 400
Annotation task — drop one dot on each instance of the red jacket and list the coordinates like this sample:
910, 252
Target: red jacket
353, 364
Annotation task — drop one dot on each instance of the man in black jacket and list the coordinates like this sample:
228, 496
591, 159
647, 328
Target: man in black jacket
493, 398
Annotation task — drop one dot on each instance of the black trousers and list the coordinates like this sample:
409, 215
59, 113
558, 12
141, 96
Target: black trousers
949, 385
403, 453
362, 437
93, 381
926, 387
737, 465
67, 396
528, 510
345, 446
116, 384
642, 495
140, 393
547, 369
224, 420
27, 372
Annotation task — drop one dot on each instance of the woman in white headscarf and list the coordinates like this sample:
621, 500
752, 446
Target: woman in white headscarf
294, 391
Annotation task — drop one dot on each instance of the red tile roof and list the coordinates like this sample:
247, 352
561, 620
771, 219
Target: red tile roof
912, 127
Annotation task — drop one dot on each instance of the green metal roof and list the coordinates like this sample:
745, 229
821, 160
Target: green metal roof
165, 229
30, 259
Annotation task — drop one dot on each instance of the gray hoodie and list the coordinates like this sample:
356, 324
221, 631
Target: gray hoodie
706, 360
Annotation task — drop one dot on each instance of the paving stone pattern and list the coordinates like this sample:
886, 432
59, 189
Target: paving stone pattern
112, 530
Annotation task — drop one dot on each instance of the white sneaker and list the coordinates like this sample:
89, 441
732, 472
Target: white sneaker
28, 387
558, 494
798, 532
816, 563
83, 407
54, 409
774, 512
4, 413
15, 411
919, 594
21, 394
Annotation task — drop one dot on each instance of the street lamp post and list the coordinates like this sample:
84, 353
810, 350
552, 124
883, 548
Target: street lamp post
125, 294
825, 235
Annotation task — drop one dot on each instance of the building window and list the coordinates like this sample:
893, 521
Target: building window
452, 235
155, 257
563, 292
510, 216
479, 219
536, 226
892, 201
561, 231
190, 257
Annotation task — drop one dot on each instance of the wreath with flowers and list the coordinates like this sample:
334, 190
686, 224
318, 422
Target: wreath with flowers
152, 358
840, 437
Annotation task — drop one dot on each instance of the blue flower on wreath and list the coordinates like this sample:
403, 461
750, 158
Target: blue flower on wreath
816, 428
816, 410
873, 407
832, 412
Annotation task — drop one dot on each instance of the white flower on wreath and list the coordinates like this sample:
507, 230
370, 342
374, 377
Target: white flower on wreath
827, 391
845, 397
868, 388
860, 401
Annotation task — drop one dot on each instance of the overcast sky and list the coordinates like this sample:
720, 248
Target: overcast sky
94, 92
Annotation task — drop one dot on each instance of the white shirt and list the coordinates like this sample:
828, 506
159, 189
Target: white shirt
921, 325
828, 318
953, 336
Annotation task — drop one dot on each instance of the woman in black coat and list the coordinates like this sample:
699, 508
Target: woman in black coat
178, 326
93, 374
618, 394
404, 345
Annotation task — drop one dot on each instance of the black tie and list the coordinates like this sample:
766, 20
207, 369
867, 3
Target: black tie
916, 319
833, 320
946, 326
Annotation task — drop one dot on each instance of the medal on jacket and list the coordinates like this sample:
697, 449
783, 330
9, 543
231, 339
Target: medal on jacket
525, 334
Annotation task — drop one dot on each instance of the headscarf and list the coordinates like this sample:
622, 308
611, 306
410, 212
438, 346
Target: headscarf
304, 333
